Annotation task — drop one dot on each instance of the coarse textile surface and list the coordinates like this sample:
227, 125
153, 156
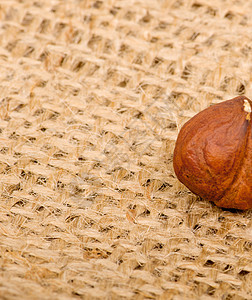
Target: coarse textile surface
93, 94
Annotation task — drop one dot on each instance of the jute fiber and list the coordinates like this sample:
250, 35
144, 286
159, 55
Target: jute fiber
92, 96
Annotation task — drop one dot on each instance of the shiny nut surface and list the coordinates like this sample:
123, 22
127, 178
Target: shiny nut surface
213, 154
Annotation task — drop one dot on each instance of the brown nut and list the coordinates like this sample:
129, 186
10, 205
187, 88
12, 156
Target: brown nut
213, 154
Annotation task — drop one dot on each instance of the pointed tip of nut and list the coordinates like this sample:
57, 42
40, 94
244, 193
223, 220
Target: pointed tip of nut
247, 108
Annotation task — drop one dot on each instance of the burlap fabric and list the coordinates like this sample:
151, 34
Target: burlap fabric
93, 94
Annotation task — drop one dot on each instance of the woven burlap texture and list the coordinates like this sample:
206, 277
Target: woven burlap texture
93, 94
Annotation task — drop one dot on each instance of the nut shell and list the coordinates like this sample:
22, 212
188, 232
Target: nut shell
213, 154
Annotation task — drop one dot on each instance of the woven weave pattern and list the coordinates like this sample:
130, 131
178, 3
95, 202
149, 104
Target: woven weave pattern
93, 94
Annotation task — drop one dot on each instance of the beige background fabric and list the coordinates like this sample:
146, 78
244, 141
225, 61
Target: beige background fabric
93, 94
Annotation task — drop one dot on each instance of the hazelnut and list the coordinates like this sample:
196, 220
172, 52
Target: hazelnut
213, 154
